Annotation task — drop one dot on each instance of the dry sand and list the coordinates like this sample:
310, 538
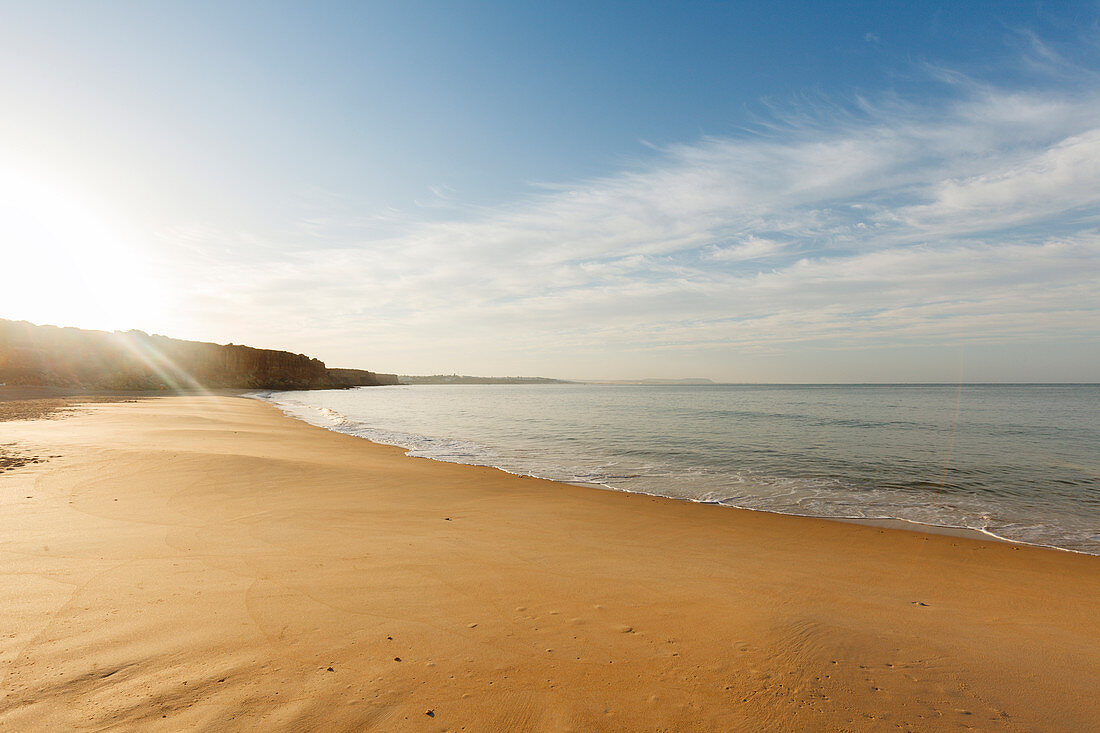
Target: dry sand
190, 562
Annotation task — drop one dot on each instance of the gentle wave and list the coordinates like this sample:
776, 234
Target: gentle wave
687, 472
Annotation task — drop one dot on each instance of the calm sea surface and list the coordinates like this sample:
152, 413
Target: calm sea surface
1020, 462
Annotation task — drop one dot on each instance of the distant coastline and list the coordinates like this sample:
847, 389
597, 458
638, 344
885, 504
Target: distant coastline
465, 379
694, 381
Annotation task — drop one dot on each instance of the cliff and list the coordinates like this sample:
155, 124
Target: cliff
72, 357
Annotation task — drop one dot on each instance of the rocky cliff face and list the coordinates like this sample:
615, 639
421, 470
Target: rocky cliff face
72, 357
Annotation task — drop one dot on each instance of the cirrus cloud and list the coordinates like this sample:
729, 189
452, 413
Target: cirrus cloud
880, 226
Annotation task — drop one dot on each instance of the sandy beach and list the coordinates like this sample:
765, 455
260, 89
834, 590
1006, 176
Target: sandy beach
208, 563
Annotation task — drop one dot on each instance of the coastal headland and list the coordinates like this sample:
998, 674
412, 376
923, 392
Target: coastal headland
76, 358
204, 562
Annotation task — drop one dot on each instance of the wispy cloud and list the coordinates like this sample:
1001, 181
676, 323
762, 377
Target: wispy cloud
874, 224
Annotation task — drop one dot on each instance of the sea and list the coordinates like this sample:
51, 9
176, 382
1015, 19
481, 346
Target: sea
1016, 462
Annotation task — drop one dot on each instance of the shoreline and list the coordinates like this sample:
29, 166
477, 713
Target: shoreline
898, 523
209, 561
902, 525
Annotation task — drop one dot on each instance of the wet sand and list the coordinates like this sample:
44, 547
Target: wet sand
188, 562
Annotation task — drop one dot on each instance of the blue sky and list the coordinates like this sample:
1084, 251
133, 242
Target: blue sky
746, 192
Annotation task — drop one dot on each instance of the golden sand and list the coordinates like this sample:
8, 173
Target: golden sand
191, 562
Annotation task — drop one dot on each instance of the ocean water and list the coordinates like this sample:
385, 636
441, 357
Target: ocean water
1020, 462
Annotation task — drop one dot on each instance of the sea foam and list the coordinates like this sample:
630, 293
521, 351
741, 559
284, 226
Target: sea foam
1019, 463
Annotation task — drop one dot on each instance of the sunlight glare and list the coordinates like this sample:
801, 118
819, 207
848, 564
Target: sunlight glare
67, 261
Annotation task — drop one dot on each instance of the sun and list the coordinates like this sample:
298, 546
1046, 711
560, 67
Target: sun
67, 260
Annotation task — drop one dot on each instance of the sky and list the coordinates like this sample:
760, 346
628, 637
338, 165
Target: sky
745, 192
